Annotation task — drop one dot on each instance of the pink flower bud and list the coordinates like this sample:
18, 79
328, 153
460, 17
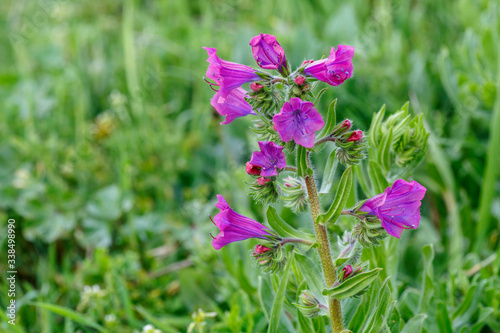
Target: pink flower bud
252, 170
346, 124
356, 136
306, 62
299, 80
255, 86
347, 271
263, 180
259, 249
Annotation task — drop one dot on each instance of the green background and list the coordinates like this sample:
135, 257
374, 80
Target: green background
111, 155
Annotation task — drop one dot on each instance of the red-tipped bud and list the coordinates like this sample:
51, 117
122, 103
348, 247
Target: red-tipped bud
252, 170
347, 271
263, 180
299, 80
288, 185
356, 136
306, 62
274, 127
260, 249
255, 86
346, 124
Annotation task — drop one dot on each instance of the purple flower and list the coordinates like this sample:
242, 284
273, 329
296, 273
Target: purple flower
233, 105
235, 227
268, 52
335, 69
270, 158
228, 75
398, 207
298, 120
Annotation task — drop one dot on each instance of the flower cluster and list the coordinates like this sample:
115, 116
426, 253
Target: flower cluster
289, 127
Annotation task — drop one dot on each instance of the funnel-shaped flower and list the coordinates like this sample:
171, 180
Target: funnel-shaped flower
233, 105
335, 69
268, 52
228, 75
398, 207
298, 120
235, 227
270, 158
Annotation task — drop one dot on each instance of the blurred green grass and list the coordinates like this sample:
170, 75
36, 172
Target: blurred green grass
110, 154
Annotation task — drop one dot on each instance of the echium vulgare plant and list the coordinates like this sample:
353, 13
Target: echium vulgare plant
289, 127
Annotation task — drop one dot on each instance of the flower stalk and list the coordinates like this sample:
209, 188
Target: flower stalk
335, 310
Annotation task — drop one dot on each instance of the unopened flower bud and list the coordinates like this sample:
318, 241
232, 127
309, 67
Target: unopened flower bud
274, 127
255, 86
270, 257
252, 170
263, 180
299, 80
346, 124
305, 62
308, 304
356, 136
347, 270
260, 249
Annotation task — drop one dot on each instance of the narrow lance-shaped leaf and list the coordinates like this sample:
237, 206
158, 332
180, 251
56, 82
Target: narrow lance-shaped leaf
376, 320
274, 319
341, 197
384, 151
353, 286
329, 174
301, 161
331, 120
283, 228
71, 314
377, 177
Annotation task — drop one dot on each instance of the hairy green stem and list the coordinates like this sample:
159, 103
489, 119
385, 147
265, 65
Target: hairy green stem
290, 168
335, 311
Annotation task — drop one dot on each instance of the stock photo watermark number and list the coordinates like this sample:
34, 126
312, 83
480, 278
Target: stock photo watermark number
11, 272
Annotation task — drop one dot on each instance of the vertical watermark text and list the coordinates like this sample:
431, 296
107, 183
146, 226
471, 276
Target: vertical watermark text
11, 270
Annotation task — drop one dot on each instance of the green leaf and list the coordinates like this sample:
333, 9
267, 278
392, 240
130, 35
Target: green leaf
353, 286
71, 314
275, 316
384, 151
414, 325
301, 161
283, 228
266, 295
331, 120
374, 127
374, 324
469, 297
377, 177
443, 319
329, 174
318, 96
343, 191
428, 279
